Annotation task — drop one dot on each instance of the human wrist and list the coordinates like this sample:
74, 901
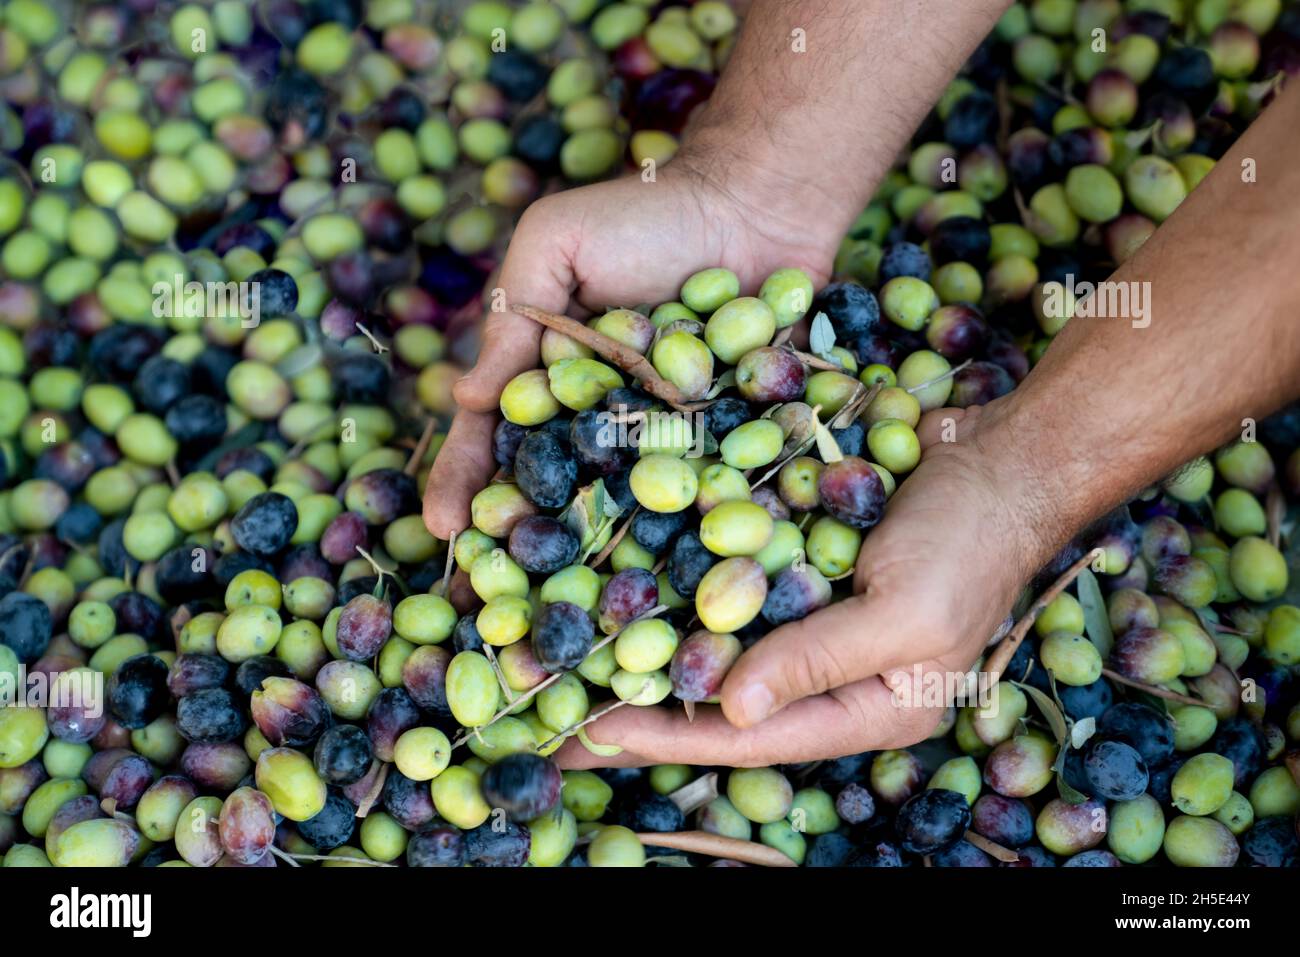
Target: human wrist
1044, 500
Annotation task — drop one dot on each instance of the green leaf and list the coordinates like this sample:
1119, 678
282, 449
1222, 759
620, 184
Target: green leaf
1051, 711
1069, 794
1096, 620
709, 444
821, 336
724, 382
248, 435
590, 512
1151, 701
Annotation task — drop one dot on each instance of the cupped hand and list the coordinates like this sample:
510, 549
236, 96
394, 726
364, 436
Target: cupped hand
932, 583
613, 244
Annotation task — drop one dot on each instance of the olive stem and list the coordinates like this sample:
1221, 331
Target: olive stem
372, 795
173, 475
715, 845
501, 678
346, 860
444, 586
627, 359
284, 856
296, 449
379, 346
1153, 689
381, 571
612, 544
937, 379
1002, 656
1004, 116
532, 692
571, 729
992, 849
1275, 510
854, 404
817, 362
421, 447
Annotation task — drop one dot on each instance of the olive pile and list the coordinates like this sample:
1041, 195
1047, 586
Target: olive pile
220, 519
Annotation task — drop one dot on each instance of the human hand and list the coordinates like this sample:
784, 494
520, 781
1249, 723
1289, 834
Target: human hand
933, 581
622, 242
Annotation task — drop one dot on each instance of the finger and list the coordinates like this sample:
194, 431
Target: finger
575, 756
859, 717
463, 466
537, 272
938, 425
838, 645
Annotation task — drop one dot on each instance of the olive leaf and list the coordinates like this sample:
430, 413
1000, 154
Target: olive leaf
724, 382
1081, 731
827, 447
246, 436
1068, 793
300, 360
708, 443
590, 513
1152, 701
821, 336
608, 506
1096, 620
1051, 711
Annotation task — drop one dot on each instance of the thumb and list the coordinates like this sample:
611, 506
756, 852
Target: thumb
836, 646
537, 271
942, 425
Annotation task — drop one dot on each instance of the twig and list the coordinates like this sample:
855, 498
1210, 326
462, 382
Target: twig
693, 796
715, 845
817, 362
852, 407
501, 678
1002, 656
444, 586
626, 358
1153, 689
284, 856
376, 789
1275, 510
533, 691
334, 857
421, 447
173, 475
939, 378
296, 449
614, 539
594, 716
996, 851
379, 346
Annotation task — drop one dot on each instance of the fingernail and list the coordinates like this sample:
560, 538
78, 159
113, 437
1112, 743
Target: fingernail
756, 701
